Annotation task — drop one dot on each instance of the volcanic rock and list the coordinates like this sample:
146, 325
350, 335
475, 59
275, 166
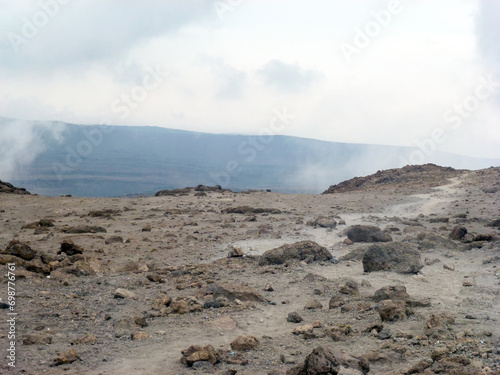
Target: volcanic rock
391, 311
397, 292
458, 233
294, 317
323, 222
367, 233
67, 358
245, 343
305, 250
197, 353
20, 249
232, 292
69, 248
325, 360
397, 257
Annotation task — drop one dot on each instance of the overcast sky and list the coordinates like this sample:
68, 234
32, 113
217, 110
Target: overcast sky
378, 72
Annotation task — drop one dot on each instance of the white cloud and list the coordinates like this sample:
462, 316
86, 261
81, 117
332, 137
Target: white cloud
229, 76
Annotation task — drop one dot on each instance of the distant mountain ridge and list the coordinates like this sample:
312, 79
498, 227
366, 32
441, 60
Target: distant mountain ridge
98, 161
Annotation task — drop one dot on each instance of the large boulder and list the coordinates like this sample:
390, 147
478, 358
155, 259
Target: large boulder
305, 250
367, 233
397, 257
326, 361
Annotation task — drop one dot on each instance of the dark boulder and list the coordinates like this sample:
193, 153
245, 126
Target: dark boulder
367, 233
305, 250
397, 257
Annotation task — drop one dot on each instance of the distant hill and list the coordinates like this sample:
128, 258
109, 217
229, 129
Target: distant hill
410, 176
120, 160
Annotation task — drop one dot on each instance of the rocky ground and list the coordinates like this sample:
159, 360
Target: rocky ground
400, 279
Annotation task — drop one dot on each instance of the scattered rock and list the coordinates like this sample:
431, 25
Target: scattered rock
245, 343
391, 311
308, 251
232, 292
269, 288
351, 288
113, 239
20, 249
367, 233
155, 278
494, 223
88, 339
396, 292
431, 261
216, 303
336, 301
234, 252
449, 267
67, 358
441, 320
347, 242
81, 229
302, 330
313, 304
325, 360
397, 257
197, 353
458, 233
69, 248
246, 210
186, 305
139, 336
469, 282
37, 339
323, 222
294, 317
124, 293
161, 301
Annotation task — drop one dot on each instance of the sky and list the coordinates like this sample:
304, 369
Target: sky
424, 74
